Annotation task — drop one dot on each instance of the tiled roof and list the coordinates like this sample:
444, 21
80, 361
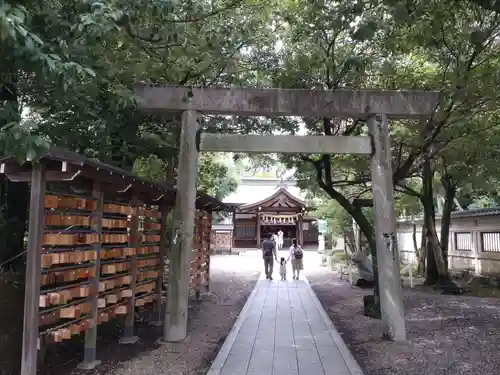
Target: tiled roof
248, 193
477, 212
203, 201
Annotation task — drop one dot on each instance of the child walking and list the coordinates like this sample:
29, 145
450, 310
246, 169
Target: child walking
283, 268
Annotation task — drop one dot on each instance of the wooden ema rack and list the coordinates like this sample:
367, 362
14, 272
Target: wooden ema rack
150, 261
200, 263
91, 258
206, 252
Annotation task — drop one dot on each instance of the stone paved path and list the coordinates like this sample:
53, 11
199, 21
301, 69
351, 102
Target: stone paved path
283, 330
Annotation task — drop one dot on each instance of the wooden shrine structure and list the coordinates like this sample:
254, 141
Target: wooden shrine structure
280, 211
377, 106
97, 249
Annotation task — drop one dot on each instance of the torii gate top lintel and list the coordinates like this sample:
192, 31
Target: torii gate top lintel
287, 102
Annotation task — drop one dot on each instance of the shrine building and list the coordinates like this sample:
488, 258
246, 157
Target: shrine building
266, 202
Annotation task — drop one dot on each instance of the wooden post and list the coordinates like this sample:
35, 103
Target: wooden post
176, 316
301, 231
159, 280
391, 300
477, 243
33, 271
258, 230
297, 230
197, 256
231, 239
128, 329
233, 235
89, 359
208, 254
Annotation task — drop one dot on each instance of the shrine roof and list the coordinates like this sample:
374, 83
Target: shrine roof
96, 170
255, 192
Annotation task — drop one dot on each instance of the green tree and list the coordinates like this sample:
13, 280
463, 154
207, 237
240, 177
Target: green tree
213, 176
430, 50
73, 65
337, 218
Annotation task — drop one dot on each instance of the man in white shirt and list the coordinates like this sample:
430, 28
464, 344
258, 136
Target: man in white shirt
280, 240
275, 239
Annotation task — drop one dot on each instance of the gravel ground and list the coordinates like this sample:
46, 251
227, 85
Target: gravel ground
448, 335
233, 278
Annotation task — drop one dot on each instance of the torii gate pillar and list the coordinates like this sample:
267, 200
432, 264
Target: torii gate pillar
176, 313
391, 299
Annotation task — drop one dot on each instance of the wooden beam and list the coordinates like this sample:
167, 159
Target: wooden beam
258, 230
283, 102
301, 232
50, 176
90, 361
164, 232
33, 269
287, 144
253, 210
208, 253
14, 167
128, 327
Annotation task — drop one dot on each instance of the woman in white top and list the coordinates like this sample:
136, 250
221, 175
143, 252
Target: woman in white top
296, 254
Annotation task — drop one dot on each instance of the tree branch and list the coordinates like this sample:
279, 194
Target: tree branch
402, 188
353, 127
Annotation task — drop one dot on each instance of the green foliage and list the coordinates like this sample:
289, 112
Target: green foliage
339, 256
214, 176
69, 67
414, 45
28, 58
483, 202
405, 269
337, 217
151, 168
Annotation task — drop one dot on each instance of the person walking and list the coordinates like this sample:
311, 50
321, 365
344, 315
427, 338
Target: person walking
295, 255
275, 239
269, 255
280, 239
283, 268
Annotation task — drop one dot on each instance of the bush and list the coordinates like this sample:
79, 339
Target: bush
339, 256
404, 269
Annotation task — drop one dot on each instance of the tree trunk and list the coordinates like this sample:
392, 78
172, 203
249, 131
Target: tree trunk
422, 252
431, 270
170, 172
414, 238
449, 199
436, 270
13, 228
15, 195
371, 303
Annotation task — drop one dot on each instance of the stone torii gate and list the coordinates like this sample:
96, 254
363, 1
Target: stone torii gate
376, 105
